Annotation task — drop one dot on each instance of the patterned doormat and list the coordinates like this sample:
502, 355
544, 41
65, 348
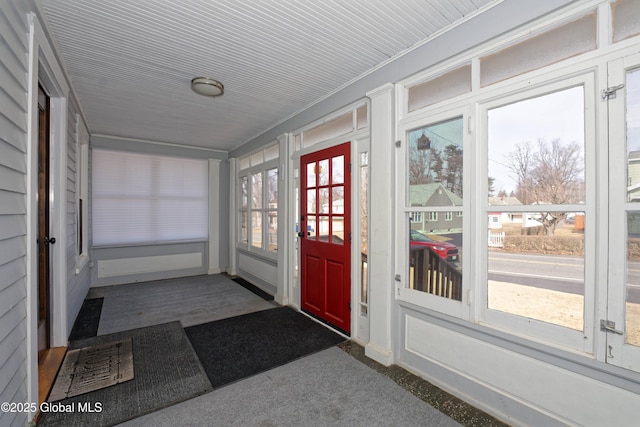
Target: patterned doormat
92, 368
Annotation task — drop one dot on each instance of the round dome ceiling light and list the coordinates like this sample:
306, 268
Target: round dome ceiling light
207, 86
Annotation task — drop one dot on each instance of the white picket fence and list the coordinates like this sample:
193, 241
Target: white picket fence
496, 240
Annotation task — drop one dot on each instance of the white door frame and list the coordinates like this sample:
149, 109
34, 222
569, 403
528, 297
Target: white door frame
43, 66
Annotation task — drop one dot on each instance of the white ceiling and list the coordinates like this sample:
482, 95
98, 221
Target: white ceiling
131, 62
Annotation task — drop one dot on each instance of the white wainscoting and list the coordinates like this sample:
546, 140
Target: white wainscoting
263, 270
560, 395
148, 264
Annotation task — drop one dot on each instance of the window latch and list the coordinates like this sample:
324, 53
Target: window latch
610, 92
609, 326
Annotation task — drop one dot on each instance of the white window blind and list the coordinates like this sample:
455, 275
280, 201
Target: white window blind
141, 198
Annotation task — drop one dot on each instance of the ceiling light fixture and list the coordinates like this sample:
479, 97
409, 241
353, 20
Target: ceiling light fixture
206, 86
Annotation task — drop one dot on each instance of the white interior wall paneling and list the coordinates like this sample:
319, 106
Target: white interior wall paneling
150, 264
263, 270
568, 396
139, 263
13, 168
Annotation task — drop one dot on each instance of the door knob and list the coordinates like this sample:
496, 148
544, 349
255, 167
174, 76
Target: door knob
49, 240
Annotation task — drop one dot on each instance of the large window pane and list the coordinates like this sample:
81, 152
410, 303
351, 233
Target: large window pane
256, 190
272, 188
536, 275
536, 150
272, 230
256, 229
435, 257
633, 136
435, 164
244, 188
243, 227
632, 303
536, 257
140, 198
272, 212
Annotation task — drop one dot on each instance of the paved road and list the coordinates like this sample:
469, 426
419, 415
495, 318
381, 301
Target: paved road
560, 273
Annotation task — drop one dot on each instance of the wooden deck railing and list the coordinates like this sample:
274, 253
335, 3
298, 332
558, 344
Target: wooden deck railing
432, 274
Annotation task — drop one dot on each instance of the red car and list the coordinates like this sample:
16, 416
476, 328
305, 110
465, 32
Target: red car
445, 250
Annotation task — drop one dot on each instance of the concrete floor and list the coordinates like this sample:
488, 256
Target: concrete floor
201, 299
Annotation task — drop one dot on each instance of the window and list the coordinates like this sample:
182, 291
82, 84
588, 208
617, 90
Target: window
434, 186
364, 233
536, 153
258, 200
350, 120
545, 168
556, 138
141, 198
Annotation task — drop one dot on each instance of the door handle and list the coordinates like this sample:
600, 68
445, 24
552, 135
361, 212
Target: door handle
301, 234
49, 240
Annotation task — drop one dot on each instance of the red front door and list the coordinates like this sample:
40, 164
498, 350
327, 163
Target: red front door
325, 230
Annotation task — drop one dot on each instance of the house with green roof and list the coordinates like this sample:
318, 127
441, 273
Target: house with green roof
437, 221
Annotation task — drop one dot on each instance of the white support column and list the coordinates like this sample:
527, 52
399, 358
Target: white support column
285, 229
381, 238
214, 216
233, 217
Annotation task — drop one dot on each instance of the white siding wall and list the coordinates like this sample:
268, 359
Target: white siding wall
16, 372
13, 221
77, 281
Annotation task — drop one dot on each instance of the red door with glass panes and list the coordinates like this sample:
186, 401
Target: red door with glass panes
325, 230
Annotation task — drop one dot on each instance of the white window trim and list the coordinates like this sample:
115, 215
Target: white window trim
247, 172
565, 337
587, 342
82, 191
460, 309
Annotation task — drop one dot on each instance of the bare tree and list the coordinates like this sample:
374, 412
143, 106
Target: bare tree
551, 175
453, 174
425, 166
520, 161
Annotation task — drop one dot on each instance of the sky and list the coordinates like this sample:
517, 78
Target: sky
559, 115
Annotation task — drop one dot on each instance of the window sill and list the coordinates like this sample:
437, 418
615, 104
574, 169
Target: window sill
153, 243
81, 263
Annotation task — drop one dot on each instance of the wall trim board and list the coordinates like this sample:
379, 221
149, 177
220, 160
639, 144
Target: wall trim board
155, 147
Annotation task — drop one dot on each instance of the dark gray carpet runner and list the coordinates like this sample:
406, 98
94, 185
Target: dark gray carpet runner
241, 346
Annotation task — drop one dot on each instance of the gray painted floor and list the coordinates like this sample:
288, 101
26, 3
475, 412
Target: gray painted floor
332, 387
190, 300
329, 388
